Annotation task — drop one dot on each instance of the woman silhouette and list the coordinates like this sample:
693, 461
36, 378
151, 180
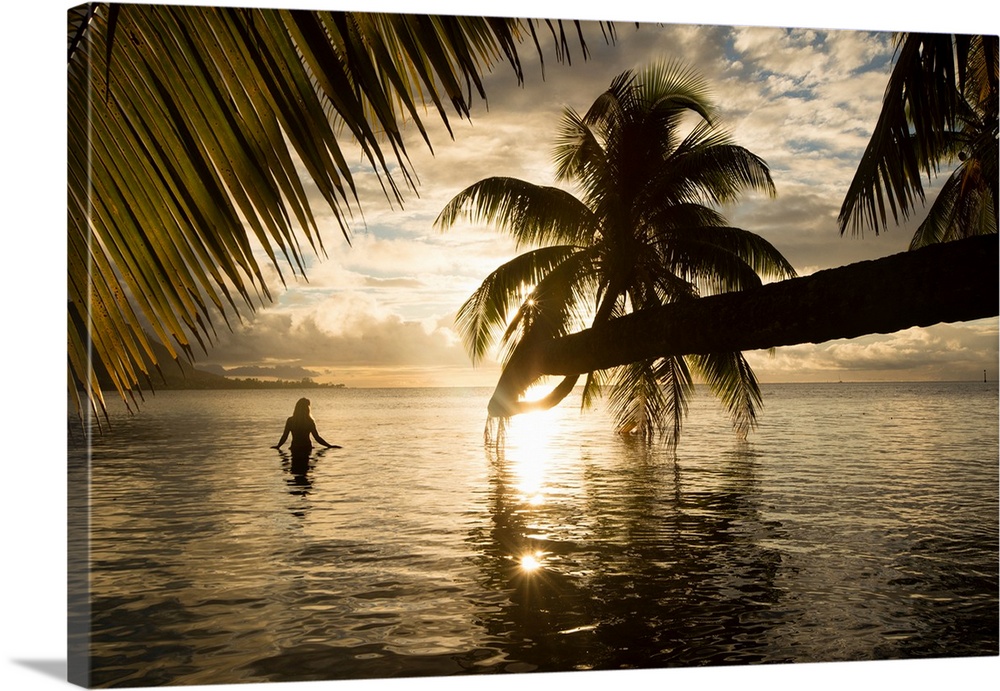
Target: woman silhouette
301, 425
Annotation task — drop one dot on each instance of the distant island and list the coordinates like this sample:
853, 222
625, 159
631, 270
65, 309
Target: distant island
219, 382
181, 375
186, 378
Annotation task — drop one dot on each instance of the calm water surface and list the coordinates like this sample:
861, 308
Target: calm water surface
859, 522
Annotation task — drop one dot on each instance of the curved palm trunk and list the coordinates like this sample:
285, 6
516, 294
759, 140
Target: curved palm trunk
506, 402
519, 373
949, 282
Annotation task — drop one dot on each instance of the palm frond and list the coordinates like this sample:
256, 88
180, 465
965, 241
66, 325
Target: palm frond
673, 87
487, 311
676, 218
610, 108
79, 22
923, 101
555, 305
963, 207
531, 214
593, 388
650, 399
730, 378
706, 167
578, 155
188, 128
979, 78
722, 259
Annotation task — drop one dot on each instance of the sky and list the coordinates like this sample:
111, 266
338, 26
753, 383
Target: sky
380, 312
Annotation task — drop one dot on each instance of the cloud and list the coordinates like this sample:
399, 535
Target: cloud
390, 283
338, 338
940, 352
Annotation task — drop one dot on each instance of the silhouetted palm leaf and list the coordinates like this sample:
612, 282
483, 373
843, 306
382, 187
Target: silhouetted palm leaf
940, 105
650, 399
730, 378
721, 259
190, 132
488, 310
531, 214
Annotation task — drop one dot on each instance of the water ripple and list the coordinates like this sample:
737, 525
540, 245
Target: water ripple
858, 523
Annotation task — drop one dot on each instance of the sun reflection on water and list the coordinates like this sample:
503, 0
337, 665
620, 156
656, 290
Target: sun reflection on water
530, 446
531, 562
536, 499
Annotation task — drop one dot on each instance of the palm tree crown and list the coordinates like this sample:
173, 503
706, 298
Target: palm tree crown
939, 108
642, 232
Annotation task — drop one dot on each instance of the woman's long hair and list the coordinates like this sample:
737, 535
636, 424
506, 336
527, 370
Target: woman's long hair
302, 410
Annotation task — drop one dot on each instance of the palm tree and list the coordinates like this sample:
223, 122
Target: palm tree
191, 130
642, 233
939, 108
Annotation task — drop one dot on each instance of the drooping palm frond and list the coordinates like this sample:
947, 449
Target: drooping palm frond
191, 130
650, 399
593, 388
730, 378
922, 83
940, 85
578, 154
721, 258
481, 318
963, 203
531, 214
706, 167
556, 305
671, 216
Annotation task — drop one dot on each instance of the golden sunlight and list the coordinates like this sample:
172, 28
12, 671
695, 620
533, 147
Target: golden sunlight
529, 446
538, 390
531, 562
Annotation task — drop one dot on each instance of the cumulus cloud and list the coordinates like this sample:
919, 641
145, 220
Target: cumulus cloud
344, 338
940, 352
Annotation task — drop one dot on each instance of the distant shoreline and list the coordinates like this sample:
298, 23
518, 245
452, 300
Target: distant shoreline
225, 384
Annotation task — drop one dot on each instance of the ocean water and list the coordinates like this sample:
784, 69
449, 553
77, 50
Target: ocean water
859, 522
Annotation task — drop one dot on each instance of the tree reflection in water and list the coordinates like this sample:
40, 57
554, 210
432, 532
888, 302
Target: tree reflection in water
657, 568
